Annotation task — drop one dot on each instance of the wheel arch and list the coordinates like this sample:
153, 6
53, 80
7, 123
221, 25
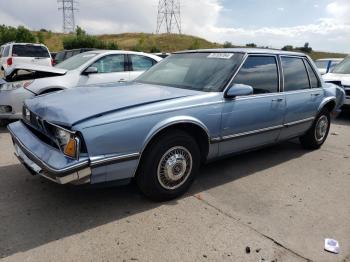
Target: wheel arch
329, 103
191, 125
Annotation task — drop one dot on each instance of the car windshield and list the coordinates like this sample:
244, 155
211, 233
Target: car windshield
321, 63
343, 67
76, 61
208, 72
30, 51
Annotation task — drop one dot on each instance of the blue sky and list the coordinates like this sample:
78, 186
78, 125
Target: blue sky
325, 24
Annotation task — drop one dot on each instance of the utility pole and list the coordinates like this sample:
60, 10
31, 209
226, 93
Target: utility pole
68, 8
169, 16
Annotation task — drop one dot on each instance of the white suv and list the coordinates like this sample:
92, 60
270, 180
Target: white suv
12, 54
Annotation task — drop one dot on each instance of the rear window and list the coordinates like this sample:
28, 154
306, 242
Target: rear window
30, 51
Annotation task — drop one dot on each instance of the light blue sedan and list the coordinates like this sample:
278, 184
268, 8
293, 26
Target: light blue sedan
191, 108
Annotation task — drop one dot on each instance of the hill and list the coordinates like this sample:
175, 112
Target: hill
156, 43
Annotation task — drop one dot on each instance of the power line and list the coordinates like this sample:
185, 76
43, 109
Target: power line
68, 8
169, 16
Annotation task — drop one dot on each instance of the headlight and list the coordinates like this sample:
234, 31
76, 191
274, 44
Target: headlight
15, 85
26, 114
67, 141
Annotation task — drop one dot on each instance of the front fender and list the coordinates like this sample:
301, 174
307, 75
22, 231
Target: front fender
333, 93
173, 121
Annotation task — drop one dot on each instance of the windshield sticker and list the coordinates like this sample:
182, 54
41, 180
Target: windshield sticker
221, 55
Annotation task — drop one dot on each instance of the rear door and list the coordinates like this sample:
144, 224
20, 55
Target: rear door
31, 54
111, 69
302, 90
139, 64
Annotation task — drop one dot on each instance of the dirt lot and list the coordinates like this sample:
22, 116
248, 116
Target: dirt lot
281, 202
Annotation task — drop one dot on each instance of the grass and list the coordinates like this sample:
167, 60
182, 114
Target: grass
163, 42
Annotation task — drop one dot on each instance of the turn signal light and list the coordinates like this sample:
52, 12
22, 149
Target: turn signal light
71, 148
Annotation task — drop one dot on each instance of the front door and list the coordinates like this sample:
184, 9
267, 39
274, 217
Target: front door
111, 69
254, 120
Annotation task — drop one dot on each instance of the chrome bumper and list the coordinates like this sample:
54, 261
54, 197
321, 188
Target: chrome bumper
44, 160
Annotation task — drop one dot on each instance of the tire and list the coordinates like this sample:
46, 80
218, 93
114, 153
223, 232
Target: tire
317, 134
169, 166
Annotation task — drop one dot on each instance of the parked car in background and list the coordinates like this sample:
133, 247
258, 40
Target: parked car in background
193, 107
327, 64
340, 76
162, 55
89, 68
13, 54
65, 54
53, 57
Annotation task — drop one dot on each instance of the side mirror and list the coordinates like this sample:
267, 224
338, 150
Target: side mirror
90, 70
239, 90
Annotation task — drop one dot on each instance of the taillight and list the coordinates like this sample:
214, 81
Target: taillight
52, 62
9, 61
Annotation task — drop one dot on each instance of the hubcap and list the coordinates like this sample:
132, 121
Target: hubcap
321, 128
174, 167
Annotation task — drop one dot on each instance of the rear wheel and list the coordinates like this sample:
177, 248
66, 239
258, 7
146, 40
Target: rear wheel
169, 166
317, 134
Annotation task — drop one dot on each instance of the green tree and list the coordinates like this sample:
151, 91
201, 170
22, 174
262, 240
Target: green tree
228, 45
82, 40
19, 34
288, 48
306, 48
251, 45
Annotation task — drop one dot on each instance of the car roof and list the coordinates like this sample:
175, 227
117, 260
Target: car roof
243, 50
100, 52
327, 59
14, 43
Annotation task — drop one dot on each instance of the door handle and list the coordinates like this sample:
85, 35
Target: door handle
122, 81
277, 100
315, 94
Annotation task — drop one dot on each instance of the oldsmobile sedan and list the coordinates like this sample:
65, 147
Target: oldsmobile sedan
191, 108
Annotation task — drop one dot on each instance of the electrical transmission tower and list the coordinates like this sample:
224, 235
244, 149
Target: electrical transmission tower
68, 8
169, 16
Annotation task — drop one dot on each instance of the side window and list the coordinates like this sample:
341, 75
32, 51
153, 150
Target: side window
261, 73
141, 63
7, 51
315, 83
295, 75
110, 64
69, 54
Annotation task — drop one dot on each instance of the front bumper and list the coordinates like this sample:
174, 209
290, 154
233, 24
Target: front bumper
14, 99
45, 160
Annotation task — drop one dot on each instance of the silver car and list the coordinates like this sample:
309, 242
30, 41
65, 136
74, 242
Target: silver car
90, 68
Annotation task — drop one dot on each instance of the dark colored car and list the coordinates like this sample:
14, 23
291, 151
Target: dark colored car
65, 54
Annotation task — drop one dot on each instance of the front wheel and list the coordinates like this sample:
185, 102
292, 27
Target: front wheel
169, 166
317, 134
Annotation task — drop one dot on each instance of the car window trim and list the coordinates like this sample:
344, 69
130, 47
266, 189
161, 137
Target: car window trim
295, 91
315, 73
240, 67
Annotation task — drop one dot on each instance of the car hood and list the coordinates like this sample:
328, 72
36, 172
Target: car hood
344, 79
75, 105
39, 69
